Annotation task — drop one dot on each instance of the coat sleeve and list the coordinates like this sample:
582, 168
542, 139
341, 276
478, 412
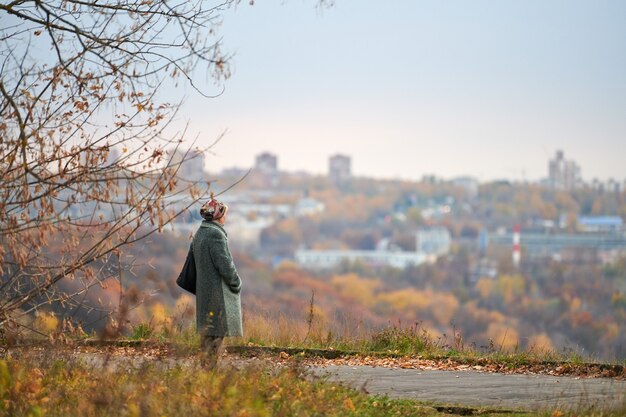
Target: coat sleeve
223, 261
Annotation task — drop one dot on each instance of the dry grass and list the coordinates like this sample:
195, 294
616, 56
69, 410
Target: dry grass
58, 385
55, 385
280, 331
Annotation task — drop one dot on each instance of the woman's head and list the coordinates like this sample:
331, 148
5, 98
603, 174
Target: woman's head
214, 210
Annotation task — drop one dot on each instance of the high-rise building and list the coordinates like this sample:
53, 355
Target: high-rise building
339, 168
266, 163
563, 174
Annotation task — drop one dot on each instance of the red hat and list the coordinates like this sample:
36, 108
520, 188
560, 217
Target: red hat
213, 210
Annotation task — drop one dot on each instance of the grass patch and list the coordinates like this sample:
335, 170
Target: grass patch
54, 385
264, 336
393, 341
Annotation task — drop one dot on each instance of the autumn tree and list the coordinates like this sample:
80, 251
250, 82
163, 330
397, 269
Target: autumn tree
85, 136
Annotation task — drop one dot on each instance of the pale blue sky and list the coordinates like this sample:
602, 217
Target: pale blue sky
407, 88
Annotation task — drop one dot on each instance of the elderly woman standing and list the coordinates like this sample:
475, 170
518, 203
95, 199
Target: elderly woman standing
218, 306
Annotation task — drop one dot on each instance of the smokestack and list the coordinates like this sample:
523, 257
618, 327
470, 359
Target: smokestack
516, 250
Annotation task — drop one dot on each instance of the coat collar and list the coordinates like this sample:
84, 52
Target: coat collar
213, 224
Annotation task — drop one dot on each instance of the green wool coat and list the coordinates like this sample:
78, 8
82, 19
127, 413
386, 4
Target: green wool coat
218, 305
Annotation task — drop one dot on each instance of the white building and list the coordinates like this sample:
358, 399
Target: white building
324, 259
600, 224
262, 209
434, 241
308, 206
247, 230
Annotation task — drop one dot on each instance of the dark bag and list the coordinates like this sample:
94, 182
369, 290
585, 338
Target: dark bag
187, 278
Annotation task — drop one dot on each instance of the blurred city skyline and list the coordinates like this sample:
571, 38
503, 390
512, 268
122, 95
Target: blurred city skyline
485, 89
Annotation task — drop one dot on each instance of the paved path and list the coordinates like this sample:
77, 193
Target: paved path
463, 388
475, 389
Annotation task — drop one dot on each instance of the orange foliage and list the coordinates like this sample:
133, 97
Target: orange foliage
581, 318
292, 277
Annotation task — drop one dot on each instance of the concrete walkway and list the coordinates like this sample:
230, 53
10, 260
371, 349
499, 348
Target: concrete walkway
476, 389
467, 388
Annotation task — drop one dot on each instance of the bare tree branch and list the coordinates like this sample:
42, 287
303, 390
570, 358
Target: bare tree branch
87, 164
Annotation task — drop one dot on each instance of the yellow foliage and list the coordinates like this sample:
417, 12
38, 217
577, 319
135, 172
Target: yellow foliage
484, 287
440, 305
510, 287
46, 322
503, 336
158, 312
5, 378
349, 404
159, 316
407, 299
134, 410
540, 343
360, 289
444, 307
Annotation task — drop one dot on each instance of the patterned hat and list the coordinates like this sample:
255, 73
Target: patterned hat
213, 210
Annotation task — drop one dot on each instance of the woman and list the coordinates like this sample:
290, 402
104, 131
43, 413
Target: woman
218, 306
